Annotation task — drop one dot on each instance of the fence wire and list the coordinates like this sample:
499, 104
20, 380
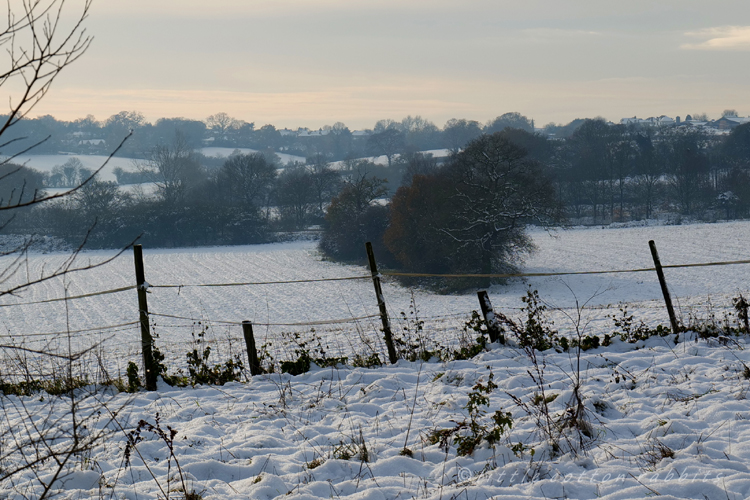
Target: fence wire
248, 283
303, 323
567, 273
72, 332
442, 328
72, 297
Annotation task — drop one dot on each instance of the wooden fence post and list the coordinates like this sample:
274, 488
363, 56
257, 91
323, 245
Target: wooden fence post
493, 328
664, 290
381, 305
146, 340
252, 352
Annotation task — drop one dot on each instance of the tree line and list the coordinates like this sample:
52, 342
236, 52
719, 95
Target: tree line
335, 142
177, 196
470, 214
596, 174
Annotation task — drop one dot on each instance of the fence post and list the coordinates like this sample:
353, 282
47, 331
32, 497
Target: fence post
489, 315
664, 290
146, 340
381, 305
252, 352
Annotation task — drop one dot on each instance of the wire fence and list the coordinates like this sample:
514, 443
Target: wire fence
567, 273
367, 326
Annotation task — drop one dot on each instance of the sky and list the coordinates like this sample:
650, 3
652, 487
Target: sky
310, 63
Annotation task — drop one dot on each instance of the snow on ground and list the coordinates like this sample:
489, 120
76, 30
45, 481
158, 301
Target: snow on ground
666, 419
284, 158
562, 251
46, 163
383, 159
143, 189
438, 153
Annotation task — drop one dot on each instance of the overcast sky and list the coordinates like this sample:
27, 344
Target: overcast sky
314, 62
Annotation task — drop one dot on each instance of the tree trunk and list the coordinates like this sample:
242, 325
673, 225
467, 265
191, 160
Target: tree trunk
486, 264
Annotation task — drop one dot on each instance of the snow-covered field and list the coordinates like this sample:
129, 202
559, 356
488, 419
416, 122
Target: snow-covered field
383, 159
220, 152
561, 251
45, 163
666, 419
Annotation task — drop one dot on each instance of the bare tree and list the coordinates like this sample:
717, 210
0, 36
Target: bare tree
419, 133
67, 174
688, 167
98, 198
458, 133
648, 175
121, 124
38, 50
324, 179
389, 142
174, 169
295, 194
40, 445
246, 178
40, 39
221, 123
509, 120
383, 125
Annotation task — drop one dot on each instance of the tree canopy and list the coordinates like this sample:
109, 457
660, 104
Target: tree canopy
471, 215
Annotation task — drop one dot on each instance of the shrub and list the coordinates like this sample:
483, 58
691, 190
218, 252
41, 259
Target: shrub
414, 343
167, 436
54, 387
306, 356
201, 372
371, 361
467, 348
134, 381
468, 435
353, 218
627, 329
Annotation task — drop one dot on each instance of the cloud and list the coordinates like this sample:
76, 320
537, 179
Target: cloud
720, 38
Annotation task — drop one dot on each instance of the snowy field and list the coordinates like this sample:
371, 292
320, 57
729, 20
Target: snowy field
383, 159
220, 152
45, 163
665, 419
693, 289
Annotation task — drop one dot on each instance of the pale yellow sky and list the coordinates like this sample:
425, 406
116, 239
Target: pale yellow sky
314, 62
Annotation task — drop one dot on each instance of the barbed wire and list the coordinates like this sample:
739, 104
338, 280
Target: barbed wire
248, 283
568, 273
72, 297
71, 332
395, 317
305, 323
386, 273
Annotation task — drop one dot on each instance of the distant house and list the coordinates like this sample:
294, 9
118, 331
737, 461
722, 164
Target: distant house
665, 120
729, 122
720, 126
305, 132
93, 142
661, 121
